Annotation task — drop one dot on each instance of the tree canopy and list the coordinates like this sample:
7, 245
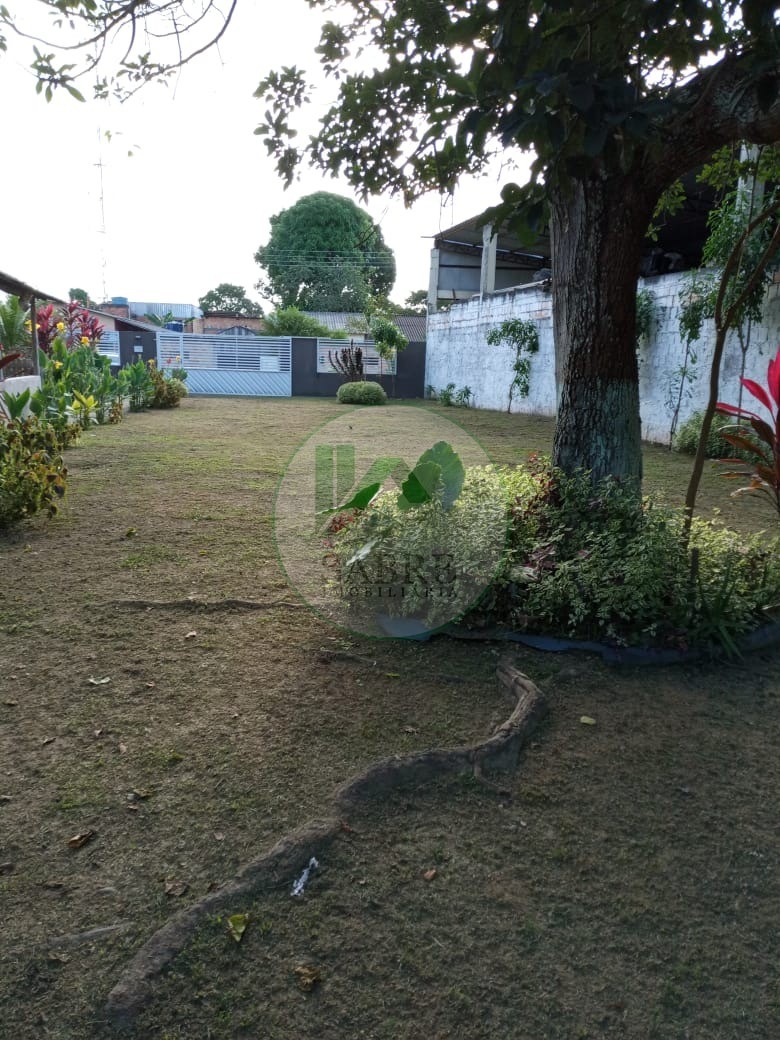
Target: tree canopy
290, 321
584, 88
229, 299
325, 253
612, 102
111, 41
80, 296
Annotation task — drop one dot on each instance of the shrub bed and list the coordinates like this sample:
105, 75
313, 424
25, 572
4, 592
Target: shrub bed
32, 472
583, 561
687, 438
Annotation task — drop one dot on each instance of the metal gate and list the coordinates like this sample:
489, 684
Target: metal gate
250, 366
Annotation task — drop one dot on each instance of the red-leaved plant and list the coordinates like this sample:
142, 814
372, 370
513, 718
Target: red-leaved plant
7, 359
764, 469
74, 325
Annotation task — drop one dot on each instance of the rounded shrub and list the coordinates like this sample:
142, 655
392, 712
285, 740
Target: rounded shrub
687, 438
363, 392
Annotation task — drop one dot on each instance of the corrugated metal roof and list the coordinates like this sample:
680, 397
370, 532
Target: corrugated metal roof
16, 287
352, 321
180, 311
412, 325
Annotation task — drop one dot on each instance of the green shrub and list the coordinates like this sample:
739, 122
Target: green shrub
361, 393
292, 322
136, 384
32, 478
166, 392
434, 560
578, 561
687, 438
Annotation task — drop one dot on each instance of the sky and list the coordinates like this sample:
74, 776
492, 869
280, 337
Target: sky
189, 208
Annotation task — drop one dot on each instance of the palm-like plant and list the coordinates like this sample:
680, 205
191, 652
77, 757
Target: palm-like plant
160, 320
14, 332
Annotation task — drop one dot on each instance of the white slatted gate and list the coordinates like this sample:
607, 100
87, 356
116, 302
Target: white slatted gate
250, 366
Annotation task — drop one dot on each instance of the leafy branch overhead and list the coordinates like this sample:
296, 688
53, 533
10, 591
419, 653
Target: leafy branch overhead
109, 41
586, 88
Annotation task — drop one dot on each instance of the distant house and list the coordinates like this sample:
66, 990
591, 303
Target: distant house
221, 323
125, 339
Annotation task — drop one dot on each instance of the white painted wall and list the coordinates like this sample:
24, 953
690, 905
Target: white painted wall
18, 384
457, 352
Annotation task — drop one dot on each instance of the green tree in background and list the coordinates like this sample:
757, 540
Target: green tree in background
80, 296
229, 299
325, 254
290, 321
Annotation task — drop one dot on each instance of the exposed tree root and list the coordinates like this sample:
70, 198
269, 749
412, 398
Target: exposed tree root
277, 867
205, 606
61, 942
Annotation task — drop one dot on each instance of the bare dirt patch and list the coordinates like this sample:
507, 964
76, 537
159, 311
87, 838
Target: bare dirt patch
628, 888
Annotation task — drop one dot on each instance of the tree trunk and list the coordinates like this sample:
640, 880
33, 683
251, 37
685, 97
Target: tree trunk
597, 230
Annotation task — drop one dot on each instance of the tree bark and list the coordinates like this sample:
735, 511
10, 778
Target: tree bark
598, 224
598, 227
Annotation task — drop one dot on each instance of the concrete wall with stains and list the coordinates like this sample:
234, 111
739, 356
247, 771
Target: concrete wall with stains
458, 352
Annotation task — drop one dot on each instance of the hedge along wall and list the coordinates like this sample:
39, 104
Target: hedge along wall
458, 352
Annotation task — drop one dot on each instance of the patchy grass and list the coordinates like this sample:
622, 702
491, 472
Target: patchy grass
628, 889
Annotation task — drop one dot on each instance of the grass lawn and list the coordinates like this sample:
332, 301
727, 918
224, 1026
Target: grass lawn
629, 888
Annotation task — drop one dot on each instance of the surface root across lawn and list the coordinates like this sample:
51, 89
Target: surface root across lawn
273, 869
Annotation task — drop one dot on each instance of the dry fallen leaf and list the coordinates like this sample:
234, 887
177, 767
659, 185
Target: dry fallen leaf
58, 958
586, 720
99, 682
132, 808
429, 875
308, 977
237, 925
79, 840
176, 888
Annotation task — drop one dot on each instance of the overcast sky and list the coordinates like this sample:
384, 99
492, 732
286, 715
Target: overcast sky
189, 208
